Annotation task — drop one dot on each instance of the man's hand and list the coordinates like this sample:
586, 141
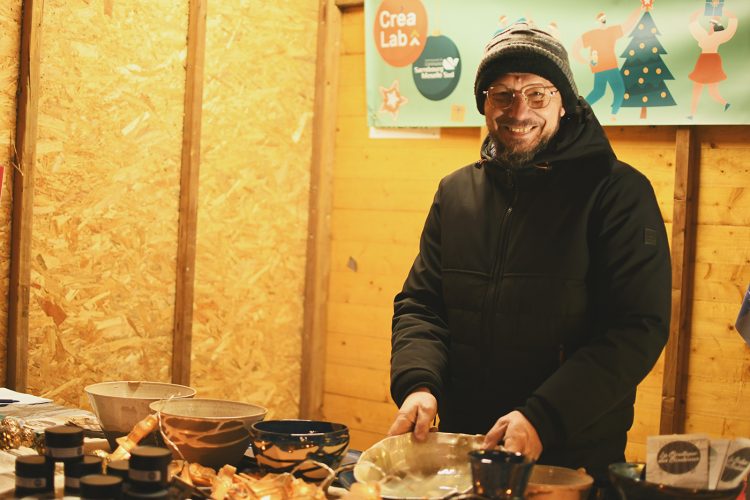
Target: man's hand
518, 433
417, 413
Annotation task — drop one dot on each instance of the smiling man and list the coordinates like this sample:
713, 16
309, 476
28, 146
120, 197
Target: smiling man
540, 296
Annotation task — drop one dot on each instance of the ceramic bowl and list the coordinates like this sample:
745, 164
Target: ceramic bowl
211, 432
282, 445
558, 483
627, 477
120, 405
409, 469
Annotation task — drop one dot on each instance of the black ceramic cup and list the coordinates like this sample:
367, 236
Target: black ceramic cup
499, 474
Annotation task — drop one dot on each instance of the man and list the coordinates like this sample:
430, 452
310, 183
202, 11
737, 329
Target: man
602, 59
540, 297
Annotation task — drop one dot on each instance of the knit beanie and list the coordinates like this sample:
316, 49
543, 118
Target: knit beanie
522, 48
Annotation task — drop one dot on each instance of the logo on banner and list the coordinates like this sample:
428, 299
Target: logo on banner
400, 31
438, 68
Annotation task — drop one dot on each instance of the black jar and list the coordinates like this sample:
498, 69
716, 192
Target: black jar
148, 468
64, 443
130, 494
35, 476
119, 468
101, 487
74, 471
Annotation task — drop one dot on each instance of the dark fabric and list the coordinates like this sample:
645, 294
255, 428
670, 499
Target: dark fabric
544, 289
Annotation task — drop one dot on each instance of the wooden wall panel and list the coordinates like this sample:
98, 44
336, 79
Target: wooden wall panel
382, 191
253, 201
106, 194
719, 377
10, 24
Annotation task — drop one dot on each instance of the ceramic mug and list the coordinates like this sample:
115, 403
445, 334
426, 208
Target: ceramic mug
499, 474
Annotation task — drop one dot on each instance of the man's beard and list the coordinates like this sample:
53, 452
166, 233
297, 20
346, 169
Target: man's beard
512, 157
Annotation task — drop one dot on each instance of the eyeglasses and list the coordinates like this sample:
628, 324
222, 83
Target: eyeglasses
536, 96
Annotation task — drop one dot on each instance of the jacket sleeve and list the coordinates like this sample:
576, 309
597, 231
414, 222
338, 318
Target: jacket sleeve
630, 280
419, 343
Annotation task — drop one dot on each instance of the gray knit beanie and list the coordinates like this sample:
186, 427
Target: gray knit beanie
522, 48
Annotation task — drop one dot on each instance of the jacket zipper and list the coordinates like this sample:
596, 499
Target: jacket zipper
493, 292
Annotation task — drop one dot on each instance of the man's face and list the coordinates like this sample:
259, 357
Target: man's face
520, 131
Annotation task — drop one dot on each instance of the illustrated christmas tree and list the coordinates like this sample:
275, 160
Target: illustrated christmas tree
644, 71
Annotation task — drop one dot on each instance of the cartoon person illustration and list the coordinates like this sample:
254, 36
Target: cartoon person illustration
602, 59
708, 70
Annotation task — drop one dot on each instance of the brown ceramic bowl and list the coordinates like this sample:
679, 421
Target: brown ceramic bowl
627, 477
211, 432
558, 483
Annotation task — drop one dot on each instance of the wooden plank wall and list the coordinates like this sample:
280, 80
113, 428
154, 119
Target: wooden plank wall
382, 190
10, 27
718, 399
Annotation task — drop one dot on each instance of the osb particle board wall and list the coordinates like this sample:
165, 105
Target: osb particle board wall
105, 196
107, 187
253, 203
382, 191
10, 14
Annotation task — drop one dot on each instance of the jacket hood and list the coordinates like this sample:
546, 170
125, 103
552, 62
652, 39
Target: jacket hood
580, 135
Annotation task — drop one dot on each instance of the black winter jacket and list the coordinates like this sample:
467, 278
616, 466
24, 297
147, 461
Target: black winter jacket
543, 289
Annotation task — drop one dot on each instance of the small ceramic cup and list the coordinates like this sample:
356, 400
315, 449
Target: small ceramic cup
499, 474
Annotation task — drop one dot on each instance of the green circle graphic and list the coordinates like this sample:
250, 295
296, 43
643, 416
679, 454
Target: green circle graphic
437, 70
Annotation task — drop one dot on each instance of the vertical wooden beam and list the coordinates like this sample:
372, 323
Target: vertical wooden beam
23, 195
187, 226
318, 266
674, 386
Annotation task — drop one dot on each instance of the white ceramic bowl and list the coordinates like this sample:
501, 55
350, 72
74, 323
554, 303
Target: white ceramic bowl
212, 432
121, 404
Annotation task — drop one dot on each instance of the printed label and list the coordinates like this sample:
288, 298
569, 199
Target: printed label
679, 457
146, 476
737, 463
65, 452
31, 482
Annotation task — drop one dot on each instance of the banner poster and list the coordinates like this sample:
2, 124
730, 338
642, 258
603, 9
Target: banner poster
637, 62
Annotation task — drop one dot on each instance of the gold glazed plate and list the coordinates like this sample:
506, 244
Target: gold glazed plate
408, 469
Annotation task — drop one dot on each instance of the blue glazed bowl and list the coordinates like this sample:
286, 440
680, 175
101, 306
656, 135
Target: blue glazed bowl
283, 445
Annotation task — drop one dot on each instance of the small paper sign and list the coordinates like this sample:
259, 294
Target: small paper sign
737, 464
678, 460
